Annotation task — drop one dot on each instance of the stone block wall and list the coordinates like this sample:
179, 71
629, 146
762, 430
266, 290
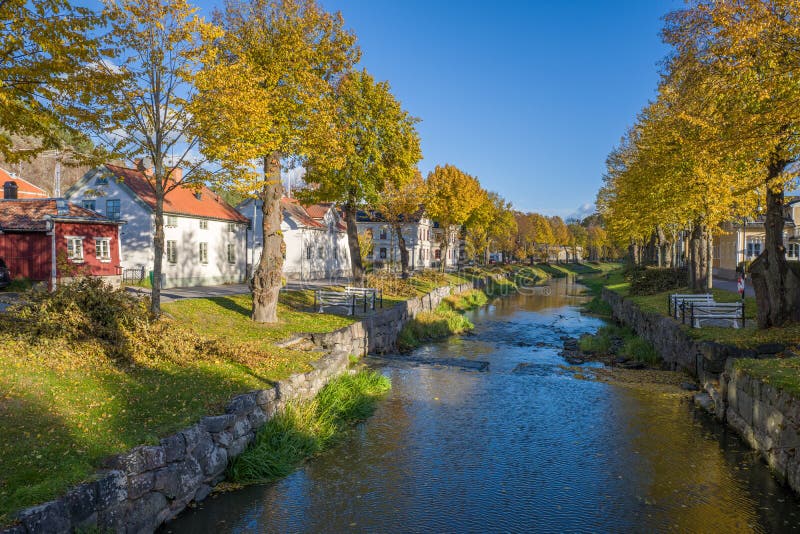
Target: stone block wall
141, 489
767, 418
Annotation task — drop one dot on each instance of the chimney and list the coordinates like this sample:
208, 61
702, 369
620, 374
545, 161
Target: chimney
10, 190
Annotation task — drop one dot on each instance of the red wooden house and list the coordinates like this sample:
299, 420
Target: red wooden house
51, 239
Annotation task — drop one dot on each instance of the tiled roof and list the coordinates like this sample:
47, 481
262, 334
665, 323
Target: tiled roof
25, 189
29, 214
318, 211
293, 209
180, 201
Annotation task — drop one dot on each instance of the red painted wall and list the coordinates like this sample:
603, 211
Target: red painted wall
27, 254
89, 232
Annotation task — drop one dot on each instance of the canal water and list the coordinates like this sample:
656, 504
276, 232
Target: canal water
524, 446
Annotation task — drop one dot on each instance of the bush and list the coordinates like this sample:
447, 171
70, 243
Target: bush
652, 280
82, 309
429, 326
468, 300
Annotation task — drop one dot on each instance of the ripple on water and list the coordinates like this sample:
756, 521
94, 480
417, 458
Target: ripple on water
533, 450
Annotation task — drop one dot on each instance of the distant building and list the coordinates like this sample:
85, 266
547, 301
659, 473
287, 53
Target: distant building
51, 240
16, 187
204, 235
315, 237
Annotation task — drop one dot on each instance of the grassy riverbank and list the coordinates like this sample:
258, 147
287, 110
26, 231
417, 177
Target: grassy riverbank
84, 376
308, 428
446, 320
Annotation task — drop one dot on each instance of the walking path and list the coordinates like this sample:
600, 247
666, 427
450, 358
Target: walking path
179, 293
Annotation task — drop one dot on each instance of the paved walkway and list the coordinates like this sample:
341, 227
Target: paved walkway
179, 293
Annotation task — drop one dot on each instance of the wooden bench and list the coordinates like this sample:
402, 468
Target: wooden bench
716, 311
335, 299
677, 303
368, 294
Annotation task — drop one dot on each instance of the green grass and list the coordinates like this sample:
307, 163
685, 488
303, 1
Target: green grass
633, 347
306, 429
468, 300
429, 326
782, 373
67, 404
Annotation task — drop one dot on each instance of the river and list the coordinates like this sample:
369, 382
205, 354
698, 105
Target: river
517, 448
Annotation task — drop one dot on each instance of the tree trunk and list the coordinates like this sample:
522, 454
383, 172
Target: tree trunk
698, 258
710, 260
401, 242
350, 211
158, 242
777, 287
267, 277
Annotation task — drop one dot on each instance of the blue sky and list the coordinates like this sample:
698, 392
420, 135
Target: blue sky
529, 96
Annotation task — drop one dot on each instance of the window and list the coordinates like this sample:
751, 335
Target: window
793, 250
308, 253
335, 253
203, 252
89, 204
172, 221
321, 252
383, 233
437, 254
753, 248
232, 227
102, 248
204, 225
383, 253
75, 249
172, 251
231, 253
112, 208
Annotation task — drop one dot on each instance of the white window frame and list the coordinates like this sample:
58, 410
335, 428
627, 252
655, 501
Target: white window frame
203, 253
102, 249
171, 250
231, 253
232, 227
203, 224
89, 204
171, 221
72, 251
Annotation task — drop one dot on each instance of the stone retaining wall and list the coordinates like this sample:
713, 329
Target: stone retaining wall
143, 488
767, 418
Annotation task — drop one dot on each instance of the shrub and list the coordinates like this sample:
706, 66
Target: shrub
652, 280
428, 326
82, 309
468, 300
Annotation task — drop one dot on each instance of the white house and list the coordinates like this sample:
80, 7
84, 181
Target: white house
204, 235
423, 239
315, 238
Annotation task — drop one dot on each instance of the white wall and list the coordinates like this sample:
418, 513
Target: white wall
136, 238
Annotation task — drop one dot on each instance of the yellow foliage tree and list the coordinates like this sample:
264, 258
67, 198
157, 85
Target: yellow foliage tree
266, 95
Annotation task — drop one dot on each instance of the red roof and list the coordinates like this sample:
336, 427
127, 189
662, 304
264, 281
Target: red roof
299, 213
182, 200
29, 214
25, 189
318, 211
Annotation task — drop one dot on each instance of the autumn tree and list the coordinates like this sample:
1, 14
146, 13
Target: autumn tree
746, 54
399, 204
577, 239
492, 223
596, 242
144, 115
379, 145
452, 197
266, 95
48, 50
560, 233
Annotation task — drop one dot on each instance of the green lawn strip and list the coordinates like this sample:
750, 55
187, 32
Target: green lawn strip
781, 373
308, 428
747, 337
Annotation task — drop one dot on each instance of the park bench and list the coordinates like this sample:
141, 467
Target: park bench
369, 295
333, 299
716, 311
677, 303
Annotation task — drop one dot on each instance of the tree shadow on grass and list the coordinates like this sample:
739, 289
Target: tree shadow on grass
231, 305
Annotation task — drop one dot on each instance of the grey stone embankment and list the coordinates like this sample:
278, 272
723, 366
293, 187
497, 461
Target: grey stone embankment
145, 487
767, 418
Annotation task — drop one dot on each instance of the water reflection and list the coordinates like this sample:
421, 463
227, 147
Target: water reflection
459, 451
